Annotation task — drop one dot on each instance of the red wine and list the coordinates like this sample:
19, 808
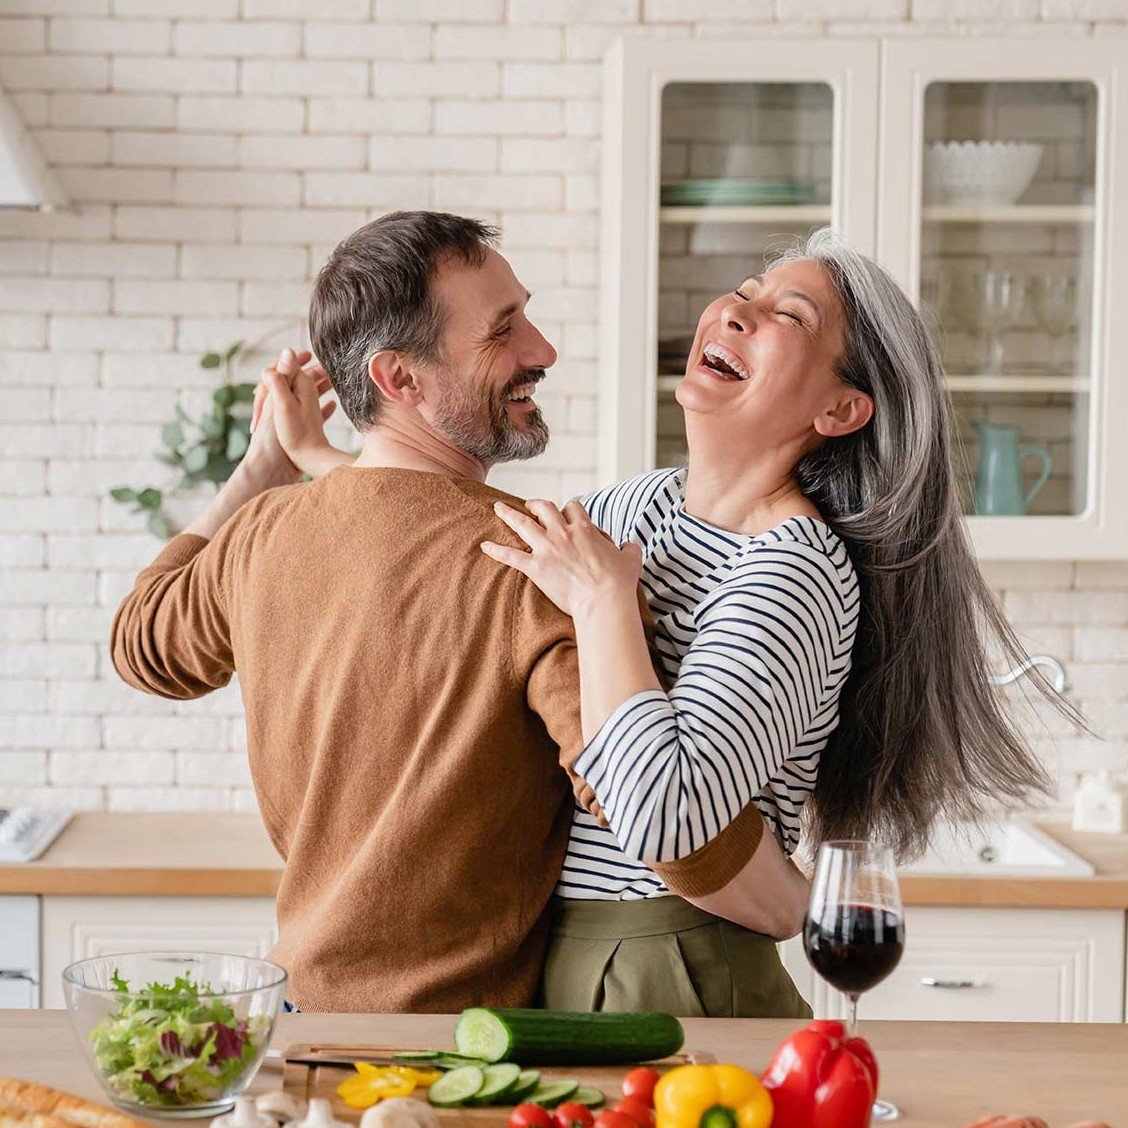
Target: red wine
854, 947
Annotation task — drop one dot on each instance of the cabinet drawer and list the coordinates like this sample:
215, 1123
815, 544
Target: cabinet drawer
997, 965
75, 928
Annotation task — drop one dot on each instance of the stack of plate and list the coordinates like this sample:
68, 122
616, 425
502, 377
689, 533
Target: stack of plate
737, 193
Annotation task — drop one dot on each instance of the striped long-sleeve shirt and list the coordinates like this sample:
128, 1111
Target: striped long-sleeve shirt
754, 634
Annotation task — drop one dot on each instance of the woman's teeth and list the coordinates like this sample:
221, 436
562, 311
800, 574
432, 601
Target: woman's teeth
522, 394
724, 361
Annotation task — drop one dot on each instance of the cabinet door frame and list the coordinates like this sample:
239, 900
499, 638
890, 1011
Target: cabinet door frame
77, 927
907, 67
635, 72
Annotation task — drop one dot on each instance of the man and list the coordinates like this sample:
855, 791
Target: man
409, 704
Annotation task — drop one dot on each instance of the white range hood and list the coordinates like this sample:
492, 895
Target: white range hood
25, 179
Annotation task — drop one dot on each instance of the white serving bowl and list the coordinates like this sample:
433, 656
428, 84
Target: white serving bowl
979, 172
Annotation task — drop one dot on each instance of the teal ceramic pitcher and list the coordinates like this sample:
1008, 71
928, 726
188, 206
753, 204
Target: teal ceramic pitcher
998, 481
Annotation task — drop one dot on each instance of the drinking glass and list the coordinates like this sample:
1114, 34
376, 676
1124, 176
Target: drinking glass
992, 302
1055, 307
854, 933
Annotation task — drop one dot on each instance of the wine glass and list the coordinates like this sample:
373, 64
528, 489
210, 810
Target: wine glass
854, 933
1055, 307
992, 303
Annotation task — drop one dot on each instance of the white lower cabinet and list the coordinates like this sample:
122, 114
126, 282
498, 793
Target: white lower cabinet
991, 965
75, 928
19, 951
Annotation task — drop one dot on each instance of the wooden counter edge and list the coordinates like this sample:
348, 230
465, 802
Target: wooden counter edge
48, 881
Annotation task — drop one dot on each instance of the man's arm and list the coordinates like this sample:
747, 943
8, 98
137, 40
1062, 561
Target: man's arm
171, 635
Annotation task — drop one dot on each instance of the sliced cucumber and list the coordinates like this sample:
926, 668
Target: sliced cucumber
500, 1080
552, 1093
589, 1098
527, 1083
446, 1062
456, 1086
421, 1055
540, 1037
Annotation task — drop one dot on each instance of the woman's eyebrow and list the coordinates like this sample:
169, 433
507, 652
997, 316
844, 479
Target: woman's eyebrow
759, 280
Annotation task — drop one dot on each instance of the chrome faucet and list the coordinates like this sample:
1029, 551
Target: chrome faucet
1057, 673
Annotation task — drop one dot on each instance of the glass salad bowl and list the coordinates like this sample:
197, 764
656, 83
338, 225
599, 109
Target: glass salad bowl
176, 1034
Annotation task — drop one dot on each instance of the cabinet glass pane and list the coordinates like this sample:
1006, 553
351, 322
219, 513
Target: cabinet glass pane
745, 166
1007, 272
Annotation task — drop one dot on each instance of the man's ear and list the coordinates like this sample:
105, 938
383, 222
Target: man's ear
394, 378
852, 411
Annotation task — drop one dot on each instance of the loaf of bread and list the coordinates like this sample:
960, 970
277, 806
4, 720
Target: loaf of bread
23, 1104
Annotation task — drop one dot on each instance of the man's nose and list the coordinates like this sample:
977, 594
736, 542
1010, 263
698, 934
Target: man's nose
540, 353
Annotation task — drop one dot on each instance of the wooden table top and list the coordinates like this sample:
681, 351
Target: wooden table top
226, 855
942, 1075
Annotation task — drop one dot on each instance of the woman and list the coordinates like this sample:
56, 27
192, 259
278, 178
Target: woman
817, 613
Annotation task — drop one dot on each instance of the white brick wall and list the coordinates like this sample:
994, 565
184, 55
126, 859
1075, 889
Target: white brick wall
217, 149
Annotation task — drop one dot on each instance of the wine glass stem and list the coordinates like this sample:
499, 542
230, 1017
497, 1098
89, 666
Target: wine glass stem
853, 1001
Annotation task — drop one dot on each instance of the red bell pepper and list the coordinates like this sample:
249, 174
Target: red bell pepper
819, 1078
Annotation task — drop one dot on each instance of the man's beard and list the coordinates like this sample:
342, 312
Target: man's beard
483, 429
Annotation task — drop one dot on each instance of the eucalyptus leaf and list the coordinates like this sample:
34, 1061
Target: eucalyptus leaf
174, 459
150, 498
214, 425
158, 526
182, 415
219, 469
237, 442
224, 396
123, 494
195, 460
211, 360
172, 435
233, 350
243, 393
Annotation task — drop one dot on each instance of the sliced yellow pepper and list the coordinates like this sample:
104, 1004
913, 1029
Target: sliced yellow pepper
372, 1083
711, 1096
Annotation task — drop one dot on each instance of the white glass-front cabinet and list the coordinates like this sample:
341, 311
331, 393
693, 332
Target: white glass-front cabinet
985, 175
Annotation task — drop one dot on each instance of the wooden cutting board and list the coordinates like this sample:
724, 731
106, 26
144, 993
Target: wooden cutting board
307, 1081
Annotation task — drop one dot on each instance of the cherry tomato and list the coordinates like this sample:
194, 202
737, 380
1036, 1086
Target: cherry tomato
641, 1114
609, 1118
572, 1114
638, 1085
530, 1116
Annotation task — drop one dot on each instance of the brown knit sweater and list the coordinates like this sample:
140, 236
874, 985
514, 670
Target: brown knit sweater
409, 704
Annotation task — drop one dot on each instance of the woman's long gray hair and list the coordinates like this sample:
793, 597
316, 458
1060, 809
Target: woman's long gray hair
921, 732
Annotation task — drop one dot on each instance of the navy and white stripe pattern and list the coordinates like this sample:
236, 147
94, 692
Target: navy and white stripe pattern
754, 634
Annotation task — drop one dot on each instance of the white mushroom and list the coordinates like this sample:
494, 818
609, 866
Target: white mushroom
281, 1105
318, 1115
244, 1115
400, 1112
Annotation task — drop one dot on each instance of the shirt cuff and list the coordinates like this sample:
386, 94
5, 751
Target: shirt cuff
715, 864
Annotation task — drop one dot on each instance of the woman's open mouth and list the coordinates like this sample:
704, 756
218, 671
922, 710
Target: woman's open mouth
723, 362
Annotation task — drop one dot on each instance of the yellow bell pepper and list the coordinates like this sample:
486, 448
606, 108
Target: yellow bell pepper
711, 1096
372, 1083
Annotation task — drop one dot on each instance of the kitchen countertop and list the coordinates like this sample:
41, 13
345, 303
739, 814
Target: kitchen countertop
224, 855
942, 1075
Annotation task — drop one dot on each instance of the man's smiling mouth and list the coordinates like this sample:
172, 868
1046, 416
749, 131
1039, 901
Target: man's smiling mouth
523, 393
724, 362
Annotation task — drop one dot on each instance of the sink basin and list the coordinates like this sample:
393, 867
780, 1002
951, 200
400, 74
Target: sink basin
1015, 848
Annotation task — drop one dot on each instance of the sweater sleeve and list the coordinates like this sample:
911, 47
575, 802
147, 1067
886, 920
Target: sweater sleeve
172, 633
673, 771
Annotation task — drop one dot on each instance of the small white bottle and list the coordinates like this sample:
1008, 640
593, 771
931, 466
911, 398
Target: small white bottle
1098, 805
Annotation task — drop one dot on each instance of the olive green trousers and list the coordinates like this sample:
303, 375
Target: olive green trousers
663, 954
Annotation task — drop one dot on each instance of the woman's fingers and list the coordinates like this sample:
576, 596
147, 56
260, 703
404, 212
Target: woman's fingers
327, 409
575, 513
526, 527
547, 513
256, 404
514, 557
